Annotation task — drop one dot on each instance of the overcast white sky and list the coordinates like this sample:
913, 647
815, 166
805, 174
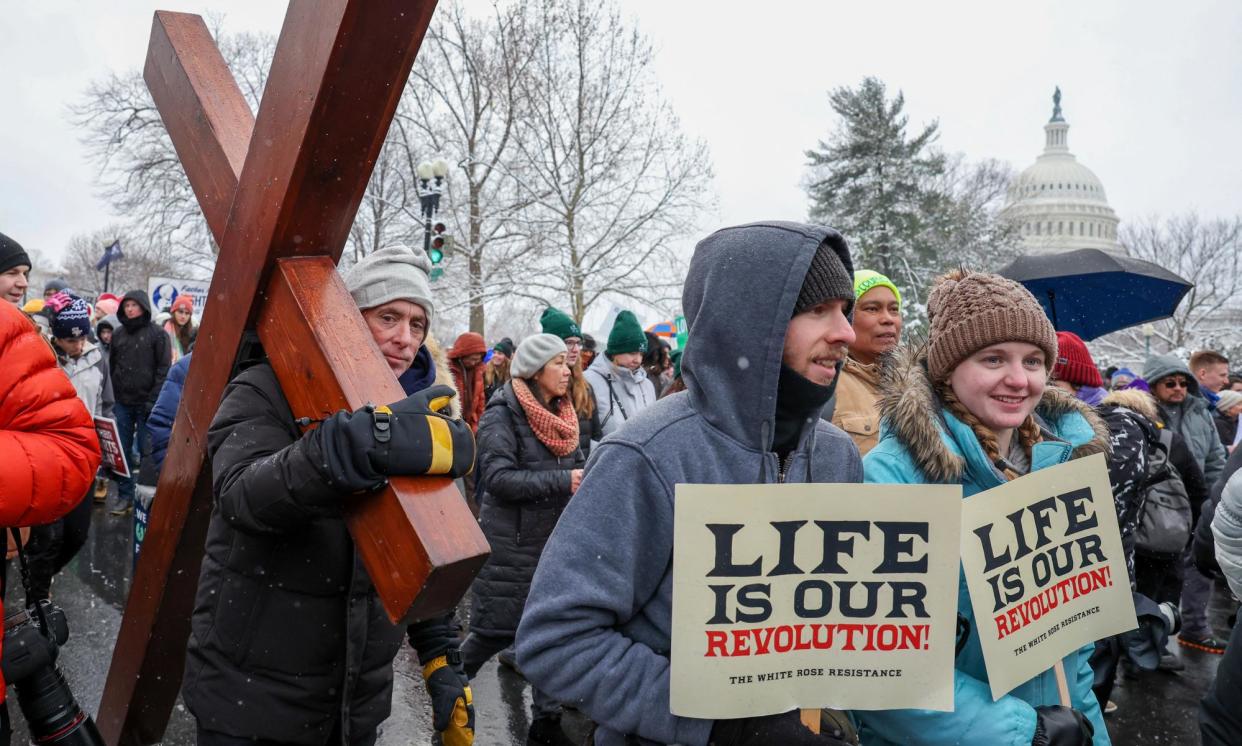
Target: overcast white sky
1150, 89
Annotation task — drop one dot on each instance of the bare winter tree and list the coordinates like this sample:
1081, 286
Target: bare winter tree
140, 261
139, 173
1208, 253
463, 103
142, 178
611, 176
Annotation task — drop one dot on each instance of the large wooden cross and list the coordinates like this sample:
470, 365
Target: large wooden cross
279, 193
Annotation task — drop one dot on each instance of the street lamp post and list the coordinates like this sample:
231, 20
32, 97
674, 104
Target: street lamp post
431, 178
1148, 331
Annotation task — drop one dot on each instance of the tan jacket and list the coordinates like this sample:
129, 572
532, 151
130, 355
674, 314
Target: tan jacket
858, 404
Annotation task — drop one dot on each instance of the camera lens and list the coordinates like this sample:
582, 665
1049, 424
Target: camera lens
52, 713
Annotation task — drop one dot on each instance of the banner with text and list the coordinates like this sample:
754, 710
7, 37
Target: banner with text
1045, 569
110, 445
164, 290
813, 595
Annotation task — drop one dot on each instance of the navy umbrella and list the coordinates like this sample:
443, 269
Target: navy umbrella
1092, 292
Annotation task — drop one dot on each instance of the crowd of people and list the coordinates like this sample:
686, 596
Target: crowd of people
795, 370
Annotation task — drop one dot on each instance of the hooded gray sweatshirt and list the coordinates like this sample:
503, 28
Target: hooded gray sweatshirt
596, 627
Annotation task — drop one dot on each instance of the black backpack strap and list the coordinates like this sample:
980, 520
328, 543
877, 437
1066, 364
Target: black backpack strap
614, 399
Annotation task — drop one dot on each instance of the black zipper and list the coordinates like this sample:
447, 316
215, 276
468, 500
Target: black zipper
783, 467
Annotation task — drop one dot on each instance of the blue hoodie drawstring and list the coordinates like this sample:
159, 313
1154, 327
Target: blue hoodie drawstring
764, 431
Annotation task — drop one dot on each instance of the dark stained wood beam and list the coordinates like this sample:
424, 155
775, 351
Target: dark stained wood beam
417, 533
203, 111
339, 70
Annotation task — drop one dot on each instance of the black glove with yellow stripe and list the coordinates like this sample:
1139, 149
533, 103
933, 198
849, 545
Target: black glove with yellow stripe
407, 438
452, 704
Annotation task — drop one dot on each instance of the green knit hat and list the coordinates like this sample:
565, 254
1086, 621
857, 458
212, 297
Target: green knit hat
675, 356
865, 279
626, 335
556, 321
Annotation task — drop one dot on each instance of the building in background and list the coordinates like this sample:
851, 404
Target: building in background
1058, 203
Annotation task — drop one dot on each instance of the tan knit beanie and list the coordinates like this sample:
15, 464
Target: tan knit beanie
971, 310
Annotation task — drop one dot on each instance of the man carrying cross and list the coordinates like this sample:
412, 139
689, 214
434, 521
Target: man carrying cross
290, 643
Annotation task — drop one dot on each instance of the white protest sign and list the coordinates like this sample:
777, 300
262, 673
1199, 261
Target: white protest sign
813, 595
164, 290
1045, 569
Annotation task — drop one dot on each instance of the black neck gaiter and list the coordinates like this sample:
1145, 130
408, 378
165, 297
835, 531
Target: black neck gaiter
797, 401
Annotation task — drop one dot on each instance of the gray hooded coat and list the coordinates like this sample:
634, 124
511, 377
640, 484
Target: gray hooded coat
595, 632
1192, 418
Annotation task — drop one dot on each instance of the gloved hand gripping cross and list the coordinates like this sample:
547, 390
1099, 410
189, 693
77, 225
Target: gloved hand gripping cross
411, 437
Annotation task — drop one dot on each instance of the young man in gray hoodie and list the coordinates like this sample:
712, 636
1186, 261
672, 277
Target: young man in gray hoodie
768, 306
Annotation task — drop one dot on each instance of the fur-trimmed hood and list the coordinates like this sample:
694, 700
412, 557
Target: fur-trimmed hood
1135, 400
911, 412
444, 376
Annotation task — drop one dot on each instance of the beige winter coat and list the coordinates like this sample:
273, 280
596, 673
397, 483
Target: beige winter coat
858, 404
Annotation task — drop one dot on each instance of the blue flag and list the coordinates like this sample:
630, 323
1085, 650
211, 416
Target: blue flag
111, 254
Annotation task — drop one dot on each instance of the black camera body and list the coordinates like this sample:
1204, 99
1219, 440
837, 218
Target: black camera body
32, 640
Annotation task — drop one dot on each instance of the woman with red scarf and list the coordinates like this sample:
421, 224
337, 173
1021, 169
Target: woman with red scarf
532, 447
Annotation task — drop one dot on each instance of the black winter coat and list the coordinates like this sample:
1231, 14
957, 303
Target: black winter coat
1131, 438
138, 357
523, 490
1227, 427
288, 636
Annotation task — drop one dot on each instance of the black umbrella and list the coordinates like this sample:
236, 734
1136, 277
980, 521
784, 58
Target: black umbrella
1092, 292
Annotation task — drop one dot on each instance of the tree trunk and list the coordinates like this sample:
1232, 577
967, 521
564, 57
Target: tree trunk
478, 318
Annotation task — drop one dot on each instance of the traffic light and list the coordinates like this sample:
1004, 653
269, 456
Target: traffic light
440, 243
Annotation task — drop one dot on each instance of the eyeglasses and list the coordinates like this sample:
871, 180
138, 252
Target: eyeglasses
1175, 383
570, 345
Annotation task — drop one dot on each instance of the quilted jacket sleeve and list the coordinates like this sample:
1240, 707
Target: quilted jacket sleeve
160, 421
48, 448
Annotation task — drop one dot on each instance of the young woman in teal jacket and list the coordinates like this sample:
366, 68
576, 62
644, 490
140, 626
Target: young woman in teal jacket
971, 407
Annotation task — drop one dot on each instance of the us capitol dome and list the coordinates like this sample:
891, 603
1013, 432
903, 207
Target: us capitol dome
1058, 203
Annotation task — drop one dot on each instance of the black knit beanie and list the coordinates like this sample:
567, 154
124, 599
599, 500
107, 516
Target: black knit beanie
827, 279
12, 254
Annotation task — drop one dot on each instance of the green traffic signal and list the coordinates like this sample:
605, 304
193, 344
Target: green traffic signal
437, 256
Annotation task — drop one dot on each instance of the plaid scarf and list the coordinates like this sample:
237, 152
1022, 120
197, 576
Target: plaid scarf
559, 432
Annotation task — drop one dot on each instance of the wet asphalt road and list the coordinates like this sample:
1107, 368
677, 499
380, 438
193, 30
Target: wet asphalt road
1159, 708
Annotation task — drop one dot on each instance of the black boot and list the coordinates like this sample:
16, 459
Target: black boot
545, 730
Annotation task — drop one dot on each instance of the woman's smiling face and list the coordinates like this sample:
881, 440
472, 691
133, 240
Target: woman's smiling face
1001, 384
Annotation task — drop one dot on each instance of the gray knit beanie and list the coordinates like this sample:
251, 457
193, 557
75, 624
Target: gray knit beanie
392, 273
971, 310
826, 279
534, 353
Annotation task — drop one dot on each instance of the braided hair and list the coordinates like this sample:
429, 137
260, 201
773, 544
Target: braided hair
1028, 432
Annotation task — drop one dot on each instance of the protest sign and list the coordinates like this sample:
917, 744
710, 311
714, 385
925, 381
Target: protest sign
813, 595
164, 290
1045, 569
110, 444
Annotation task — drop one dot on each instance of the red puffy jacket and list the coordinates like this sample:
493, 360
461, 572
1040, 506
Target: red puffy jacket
48, 448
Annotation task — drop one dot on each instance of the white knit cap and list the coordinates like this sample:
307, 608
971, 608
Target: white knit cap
392, 273
534, 353
1228, 400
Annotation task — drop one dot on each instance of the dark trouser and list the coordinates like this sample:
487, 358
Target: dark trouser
1220, 713
131, 424
1196, 592
1104, 661
478, 649
216, 738
1158, 578
52, 546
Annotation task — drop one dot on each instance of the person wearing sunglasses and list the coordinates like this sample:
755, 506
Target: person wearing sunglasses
1186, 412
